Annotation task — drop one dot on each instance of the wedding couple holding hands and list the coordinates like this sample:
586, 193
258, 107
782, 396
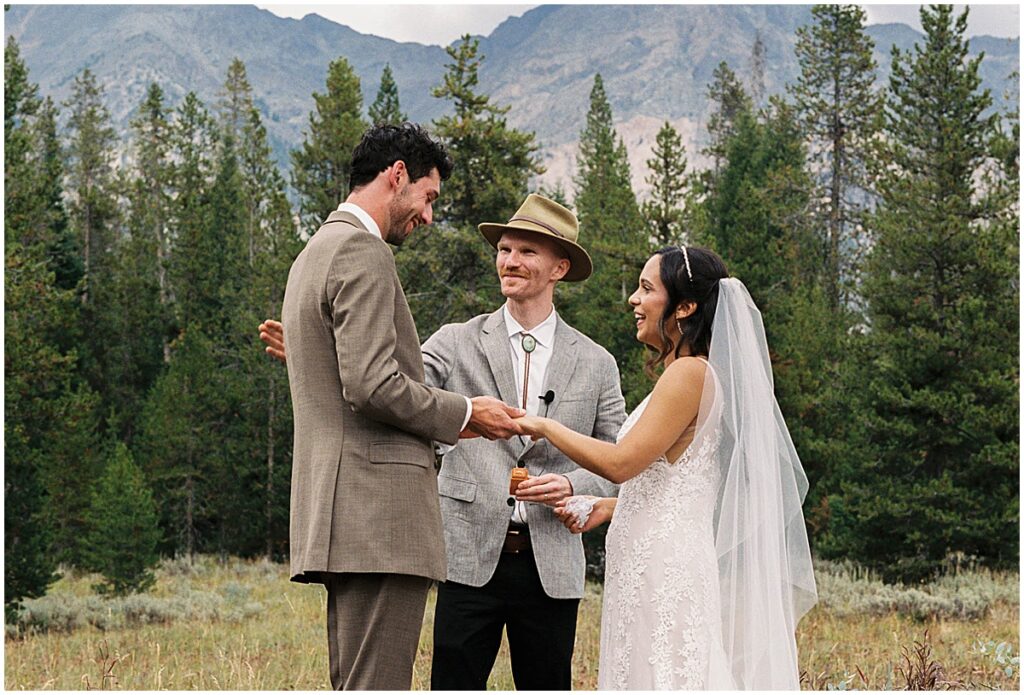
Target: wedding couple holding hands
707, 569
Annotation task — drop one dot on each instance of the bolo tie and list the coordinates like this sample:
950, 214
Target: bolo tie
529, 344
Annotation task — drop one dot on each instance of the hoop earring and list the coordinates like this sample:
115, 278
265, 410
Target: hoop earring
679, 325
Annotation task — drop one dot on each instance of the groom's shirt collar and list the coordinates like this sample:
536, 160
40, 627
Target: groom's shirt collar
362, 216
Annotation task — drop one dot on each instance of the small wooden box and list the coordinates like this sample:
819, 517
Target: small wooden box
519, 474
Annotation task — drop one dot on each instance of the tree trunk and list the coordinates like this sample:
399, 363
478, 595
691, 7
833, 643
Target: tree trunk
190, 544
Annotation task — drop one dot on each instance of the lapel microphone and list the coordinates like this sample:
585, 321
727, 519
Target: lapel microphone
547, 398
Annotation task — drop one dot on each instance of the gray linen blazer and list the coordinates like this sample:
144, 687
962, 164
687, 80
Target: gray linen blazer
364, 486
474, 357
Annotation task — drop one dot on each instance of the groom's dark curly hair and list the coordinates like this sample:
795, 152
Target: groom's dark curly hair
707, 269
383, 145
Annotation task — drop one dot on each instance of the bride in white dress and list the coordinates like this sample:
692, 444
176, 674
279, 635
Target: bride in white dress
707, 565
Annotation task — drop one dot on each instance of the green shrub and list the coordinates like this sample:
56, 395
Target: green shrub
66, 613
845, 589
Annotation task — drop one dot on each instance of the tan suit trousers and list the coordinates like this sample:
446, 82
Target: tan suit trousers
373, 628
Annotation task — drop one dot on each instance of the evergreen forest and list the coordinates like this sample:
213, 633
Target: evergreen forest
876, 228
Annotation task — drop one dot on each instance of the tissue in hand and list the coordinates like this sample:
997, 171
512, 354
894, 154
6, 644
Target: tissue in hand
580, 507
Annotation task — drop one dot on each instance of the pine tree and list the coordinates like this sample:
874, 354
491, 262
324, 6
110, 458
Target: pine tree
729, 101
840, 112
668, 182
34, 171
757, 209
450, 266
320, 167
91, 177
123, 530
260, 434
757, 217
614, 233
604, 193
64, 254
235, 99
49, 424
758, 59
938, 366
385, 108
192, 148
150, 196
21, 102
493, 162
137, 315
93, 191
180, 443
269, 407
612, 230
29, 565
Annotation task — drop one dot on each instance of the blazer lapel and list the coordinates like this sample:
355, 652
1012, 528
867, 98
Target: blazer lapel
560, 369
564, 357
494, 340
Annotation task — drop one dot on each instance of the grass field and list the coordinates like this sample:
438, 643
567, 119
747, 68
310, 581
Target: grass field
243, 626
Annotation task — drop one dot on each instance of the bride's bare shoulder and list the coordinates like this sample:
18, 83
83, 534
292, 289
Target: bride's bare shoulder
695, 366
684, 373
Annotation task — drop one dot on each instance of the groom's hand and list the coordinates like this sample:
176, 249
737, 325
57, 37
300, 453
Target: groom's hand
492, 419
272, 333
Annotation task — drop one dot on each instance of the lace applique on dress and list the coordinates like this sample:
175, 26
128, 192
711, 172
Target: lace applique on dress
661, 605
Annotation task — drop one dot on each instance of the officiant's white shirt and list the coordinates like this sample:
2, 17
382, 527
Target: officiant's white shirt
544, 334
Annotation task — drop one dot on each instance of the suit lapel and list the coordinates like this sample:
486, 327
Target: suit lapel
494, 340
560, 370
564, 357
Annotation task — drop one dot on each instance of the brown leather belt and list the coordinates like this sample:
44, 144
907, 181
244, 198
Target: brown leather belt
517, 539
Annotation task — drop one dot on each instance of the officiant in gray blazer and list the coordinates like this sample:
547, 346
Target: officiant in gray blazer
514, 566
365, 520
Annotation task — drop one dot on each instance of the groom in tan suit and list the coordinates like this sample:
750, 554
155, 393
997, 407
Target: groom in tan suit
365, 518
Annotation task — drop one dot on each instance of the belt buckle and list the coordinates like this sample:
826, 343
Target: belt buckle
512, 534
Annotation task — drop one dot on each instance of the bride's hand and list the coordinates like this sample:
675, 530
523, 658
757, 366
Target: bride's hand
602, 512
533, 425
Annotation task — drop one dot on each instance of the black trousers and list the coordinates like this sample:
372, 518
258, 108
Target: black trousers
468, 622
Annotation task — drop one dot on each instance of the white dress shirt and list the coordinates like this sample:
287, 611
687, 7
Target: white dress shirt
363, 216
544, 334
373, 228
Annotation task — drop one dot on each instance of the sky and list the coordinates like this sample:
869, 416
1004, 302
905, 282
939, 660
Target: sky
438, 24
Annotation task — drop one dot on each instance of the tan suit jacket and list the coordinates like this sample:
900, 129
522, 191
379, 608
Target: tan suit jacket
364, 487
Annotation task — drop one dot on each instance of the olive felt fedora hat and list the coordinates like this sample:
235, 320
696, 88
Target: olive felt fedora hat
540, 215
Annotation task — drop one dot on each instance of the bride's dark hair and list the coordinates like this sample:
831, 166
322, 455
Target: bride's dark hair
707, 269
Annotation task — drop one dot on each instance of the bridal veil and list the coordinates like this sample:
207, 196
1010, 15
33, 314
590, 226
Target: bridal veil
764, 561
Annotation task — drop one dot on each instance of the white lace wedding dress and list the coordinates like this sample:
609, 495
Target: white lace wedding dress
661, 620
708, 569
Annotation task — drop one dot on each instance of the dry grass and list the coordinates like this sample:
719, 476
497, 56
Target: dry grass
281, 647
832, 649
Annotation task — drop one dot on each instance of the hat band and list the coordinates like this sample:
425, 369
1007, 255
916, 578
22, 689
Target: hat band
539, 223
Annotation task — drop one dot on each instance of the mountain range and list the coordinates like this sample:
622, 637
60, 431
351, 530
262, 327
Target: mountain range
656, 62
